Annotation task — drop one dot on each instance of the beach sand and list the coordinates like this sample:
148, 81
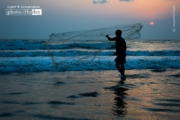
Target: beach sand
145, 94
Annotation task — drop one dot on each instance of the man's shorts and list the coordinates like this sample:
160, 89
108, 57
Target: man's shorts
120, 59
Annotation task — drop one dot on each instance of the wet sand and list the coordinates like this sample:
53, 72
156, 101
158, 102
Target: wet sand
75, 95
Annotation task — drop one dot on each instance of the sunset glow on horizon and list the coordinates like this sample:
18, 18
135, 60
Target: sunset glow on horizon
151, 23
67, 15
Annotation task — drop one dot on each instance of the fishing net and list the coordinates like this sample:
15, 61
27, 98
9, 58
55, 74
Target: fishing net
66, 49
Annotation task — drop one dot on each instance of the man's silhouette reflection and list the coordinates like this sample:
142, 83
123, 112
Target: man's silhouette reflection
119, 107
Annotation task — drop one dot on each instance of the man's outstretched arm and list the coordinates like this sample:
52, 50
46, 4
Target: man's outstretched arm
110, 39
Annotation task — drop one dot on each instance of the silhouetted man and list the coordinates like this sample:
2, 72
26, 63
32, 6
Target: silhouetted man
120, 51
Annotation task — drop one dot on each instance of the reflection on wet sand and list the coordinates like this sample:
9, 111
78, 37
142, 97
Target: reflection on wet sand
119, 108
120, 105
146, 94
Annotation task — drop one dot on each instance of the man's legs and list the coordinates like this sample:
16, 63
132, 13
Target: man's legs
120, 61
122, 69
117, 66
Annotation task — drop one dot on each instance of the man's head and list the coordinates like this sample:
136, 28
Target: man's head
118, 32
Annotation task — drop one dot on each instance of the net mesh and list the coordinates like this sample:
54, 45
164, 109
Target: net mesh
87, 39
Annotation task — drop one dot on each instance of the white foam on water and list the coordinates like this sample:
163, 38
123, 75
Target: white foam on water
32, 55
26, 64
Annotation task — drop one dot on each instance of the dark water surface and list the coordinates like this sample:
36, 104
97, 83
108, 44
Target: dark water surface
145, 94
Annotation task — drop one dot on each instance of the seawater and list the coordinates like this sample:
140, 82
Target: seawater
45, 55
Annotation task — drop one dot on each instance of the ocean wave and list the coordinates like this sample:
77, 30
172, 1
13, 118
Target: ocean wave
41, 45
82, 52
94, 44
41, 55
31, 64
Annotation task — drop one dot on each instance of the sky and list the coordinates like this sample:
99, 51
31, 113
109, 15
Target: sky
73, 15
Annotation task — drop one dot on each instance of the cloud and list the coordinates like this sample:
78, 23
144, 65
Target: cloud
126, 0
100, 1
107, 1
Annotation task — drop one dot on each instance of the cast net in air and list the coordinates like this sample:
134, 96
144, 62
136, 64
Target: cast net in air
68, 48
